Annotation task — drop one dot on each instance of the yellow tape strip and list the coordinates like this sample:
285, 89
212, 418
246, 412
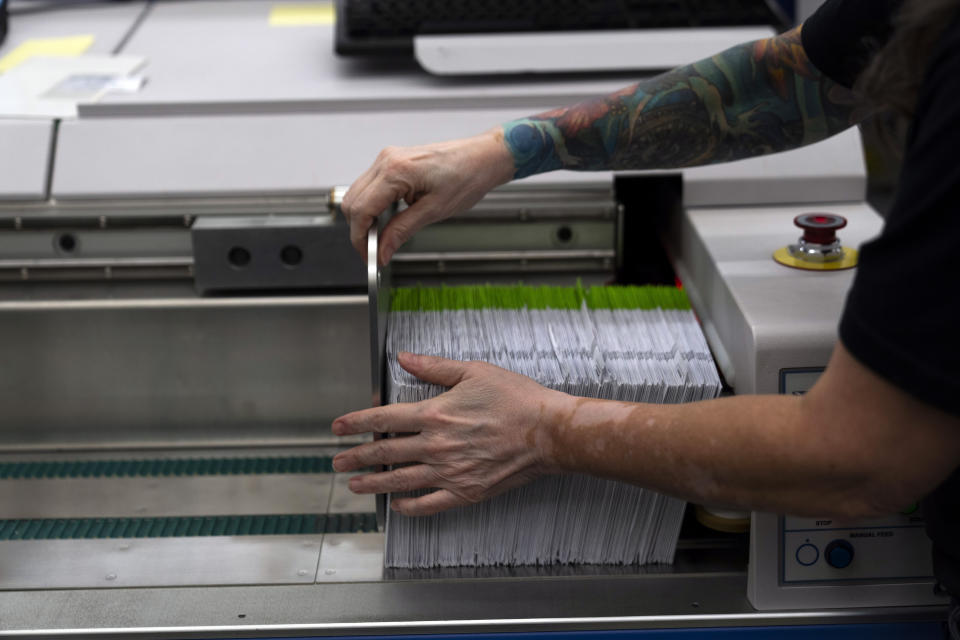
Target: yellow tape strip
300, 15
46, 47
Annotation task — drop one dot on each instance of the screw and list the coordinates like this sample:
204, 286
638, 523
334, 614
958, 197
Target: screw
329, 572
111, 576
302, 572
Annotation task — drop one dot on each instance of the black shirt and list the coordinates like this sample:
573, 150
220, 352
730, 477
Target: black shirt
902, 316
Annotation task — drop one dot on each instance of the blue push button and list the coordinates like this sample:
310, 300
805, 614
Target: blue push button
839, 554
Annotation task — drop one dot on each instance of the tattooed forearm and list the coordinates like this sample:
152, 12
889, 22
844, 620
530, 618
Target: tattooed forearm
753, 99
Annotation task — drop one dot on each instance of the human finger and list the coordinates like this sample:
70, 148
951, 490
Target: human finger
428, 504
359, 186
404, 225
359, 228
379, 452
446, 373
366, 207
402, 417
420, 476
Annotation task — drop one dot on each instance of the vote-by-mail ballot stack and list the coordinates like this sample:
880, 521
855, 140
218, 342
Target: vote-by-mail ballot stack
637, 344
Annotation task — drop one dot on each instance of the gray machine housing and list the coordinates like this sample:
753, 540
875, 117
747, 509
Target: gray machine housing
112, 352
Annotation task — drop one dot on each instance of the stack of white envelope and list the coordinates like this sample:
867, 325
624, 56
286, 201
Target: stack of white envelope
638, 344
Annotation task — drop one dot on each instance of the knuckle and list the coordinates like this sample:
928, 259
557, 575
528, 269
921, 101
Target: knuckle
406, 479
399, 237
370, 454
475, 366
472, 493
431, 415
413, 510
397, 163
434, 446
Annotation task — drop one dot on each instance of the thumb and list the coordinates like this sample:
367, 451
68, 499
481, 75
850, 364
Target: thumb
435, 370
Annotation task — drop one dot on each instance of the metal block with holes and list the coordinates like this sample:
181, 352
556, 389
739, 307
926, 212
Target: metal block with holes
272, 252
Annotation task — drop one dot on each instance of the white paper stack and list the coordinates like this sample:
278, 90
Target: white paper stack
642, 354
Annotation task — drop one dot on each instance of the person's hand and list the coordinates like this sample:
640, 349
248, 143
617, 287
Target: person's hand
484, 436
436, 181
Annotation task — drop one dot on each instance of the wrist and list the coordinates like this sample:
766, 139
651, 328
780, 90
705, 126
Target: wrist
556, 416
495, 157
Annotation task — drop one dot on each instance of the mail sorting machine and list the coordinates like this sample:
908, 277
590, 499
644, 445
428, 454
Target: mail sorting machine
171, 370
182, 319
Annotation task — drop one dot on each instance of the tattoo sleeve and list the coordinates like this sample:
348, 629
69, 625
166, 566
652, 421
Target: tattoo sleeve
752, 99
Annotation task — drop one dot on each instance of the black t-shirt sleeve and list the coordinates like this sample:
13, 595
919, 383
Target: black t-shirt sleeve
902, 317
841, 37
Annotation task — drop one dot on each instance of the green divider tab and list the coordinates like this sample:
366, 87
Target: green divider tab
522, 296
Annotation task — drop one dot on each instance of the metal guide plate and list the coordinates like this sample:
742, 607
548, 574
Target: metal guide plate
351, 557
165, 496
342, 500
155, 562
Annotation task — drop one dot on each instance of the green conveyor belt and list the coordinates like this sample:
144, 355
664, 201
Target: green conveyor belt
181, 527
164, 467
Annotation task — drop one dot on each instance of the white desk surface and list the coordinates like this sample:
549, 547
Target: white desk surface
25, 150
107, 23
204, 57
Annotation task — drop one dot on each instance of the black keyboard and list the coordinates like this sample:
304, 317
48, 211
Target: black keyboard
388, 26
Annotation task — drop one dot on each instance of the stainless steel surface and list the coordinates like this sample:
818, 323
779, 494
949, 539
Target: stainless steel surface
302, 585
93, 263
377, 318
155, 562
351, 557
483, 232
497, 256
165, 496
814, 252
525, 230
172, 210
342, 500
274, 253
375, 608
86, 269
378, 296
336, 197
115, 366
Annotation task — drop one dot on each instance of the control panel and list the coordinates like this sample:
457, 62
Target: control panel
823, 550
822, 562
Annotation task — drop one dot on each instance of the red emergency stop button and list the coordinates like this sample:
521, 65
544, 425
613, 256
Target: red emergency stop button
820, 228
